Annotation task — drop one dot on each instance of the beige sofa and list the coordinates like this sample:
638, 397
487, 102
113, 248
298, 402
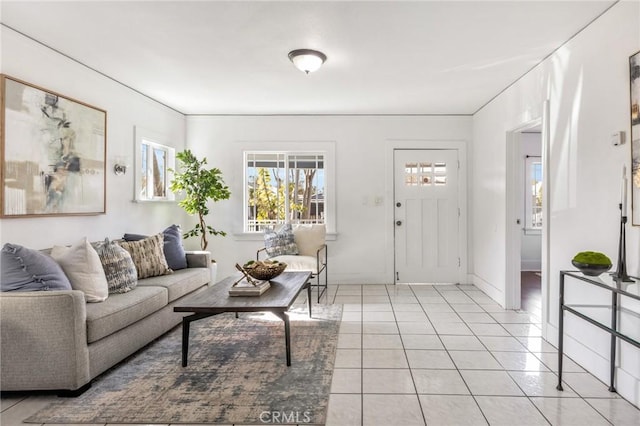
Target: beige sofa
54, 340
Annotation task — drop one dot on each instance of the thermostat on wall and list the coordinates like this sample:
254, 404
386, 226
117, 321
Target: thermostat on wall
617, 138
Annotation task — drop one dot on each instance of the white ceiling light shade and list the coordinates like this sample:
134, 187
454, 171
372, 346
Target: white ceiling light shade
307, 60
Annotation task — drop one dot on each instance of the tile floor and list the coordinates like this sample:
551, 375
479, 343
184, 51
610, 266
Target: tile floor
449, 355
439, 355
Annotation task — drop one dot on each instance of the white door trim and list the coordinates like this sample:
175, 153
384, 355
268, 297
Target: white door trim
461, 146
546, 214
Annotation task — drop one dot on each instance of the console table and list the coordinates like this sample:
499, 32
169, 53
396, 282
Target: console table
618, 289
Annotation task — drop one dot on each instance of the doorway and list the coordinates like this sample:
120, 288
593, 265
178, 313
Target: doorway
426, 216
516, 223
530, 141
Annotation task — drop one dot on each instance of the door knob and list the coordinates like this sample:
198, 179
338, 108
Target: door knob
398, 222
398, 204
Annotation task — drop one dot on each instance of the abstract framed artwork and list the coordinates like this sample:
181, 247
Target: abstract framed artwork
52, 153
634, 82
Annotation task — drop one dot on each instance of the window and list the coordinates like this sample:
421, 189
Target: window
425, 174
283, 187
533, 193
153, 161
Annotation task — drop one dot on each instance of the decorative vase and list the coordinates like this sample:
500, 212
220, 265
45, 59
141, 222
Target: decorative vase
213, 270
591, 270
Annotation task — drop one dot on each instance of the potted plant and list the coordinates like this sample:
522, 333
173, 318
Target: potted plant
200, 185
591, 263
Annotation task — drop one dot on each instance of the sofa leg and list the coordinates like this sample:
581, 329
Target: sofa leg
73, 393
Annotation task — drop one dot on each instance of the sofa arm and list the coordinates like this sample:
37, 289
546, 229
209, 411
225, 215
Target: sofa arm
198, 259
43, 341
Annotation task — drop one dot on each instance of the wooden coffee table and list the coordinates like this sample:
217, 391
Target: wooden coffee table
284, 290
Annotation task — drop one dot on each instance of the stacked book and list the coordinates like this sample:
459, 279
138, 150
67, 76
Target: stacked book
245, 288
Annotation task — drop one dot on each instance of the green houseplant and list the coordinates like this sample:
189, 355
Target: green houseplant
199, 185
591, 263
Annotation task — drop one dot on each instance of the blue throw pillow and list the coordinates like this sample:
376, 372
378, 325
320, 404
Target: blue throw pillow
173, 250
281, 242
25, 269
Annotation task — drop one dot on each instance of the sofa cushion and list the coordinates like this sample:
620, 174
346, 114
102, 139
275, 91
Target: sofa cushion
82, 265
122, 310
298, 263
173, 249
180, 282
118, 266
148, 256
309, 238
25, 269
281, 242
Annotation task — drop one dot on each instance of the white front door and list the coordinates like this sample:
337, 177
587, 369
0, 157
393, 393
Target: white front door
426, 216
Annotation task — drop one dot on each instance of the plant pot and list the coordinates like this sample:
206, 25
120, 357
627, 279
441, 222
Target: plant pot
213, 270
590, 269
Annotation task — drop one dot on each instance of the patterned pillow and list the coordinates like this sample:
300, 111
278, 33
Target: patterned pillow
281, 242
148, 256
118, 267
173, 249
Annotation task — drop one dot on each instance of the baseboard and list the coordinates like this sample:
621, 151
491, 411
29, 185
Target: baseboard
530, 265
489, 289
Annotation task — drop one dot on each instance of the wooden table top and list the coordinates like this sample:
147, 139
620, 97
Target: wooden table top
284, 290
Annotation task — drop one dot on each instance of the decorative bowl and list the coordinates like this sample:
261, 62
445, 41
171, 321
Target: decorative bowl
591, 269
264, 269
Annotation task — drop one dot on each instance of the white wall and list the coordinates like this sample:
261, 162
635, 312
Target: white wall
587, 85
362, 251
29, 61
531, 242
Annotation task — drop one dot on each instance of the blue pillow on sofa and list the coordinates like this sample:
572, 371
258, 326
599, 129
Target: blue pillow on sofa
25, 269
173, 250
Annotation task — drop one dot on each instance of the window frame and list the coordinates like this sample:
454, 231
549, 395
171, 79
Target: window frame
286, 157
529, 164
238, 176
155, 141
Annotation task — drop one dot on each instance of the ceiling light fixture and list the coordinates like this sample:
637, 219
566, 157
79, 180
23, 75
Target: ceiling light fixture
307, 60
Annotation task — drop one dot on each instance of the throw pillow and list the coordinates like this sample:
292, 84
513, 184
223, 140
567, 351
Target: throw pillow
173, 249
82, 265
281, 242
148, 256
118, 266
309, 238
25, 269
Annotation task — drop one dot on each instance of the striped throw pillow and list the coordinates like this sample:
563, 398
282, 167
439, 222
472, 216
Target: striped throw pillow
148, 256
118, 267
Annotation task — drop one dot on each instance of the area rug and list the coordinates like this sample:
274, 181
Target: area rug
237, 374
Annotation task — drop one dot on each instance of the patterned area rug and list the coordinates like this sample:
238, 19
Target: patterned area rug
237, 374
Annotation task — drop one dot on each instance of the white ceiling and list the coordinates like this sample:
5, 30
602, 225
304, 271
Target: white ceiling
384, 57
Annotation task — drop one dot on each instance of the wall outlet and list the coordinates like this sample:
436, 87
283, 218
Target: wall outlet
617, 138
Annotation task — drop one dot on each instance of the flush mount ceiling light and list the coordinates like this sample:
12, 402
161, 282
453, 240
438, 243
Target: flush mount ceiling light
307, 60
